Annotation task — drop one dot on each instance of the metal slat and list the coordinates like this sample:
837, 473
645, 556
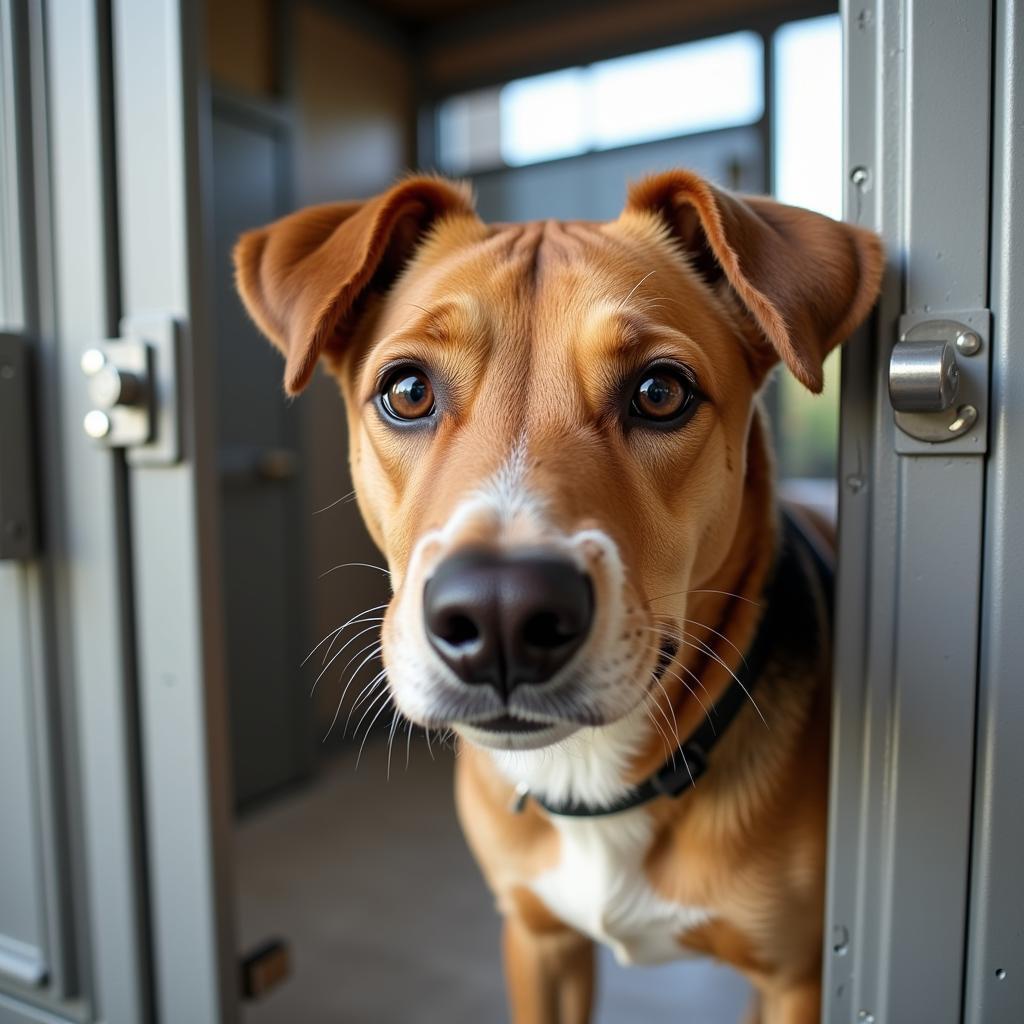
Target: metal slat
182, 703
85, 505
918, 91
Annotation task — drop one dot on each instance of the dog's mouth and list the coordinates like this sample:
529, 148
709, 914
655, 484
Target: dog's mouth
511, 724
509, 730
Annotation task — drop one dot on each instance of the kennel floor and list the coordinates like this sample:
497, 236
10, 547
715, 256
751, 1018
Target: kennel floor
389, 920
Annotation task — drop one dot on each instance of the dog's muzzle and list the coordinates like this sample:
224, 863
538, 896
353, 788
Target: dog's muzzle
506, 620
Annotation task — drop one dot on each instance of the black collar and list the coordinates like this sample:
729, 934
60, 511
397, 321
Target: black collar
786, 594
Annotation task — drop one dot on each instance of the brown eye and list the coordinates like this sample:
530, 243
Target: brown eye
408, 395
662, 394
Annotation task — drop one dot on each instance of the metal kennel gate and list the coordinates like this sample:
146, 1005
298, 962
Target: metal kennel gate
115, 893
926, 898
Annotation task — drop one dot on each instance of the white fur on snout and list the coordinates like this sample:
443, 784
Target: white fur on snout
604, 675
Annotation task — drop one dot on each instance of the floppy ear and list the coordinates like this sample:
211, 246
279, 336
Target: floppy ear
806, 280
301, 277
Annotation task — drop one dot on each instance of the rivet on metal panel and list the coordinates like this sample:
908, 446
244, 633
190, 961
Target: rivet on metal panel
968, 343
96, 424
1000, 973
866, 1017
840, 940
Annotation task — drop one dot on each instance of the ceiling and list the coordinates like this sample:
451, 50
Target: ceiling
419, 15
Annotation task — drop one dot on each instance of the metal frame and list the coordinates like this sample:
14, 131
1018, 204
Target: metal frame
995, 958
162, 146
918, 79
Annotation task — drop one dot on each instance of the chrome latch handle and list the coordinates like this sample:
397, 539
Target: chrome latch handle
119, 375
923, 376
132, 385
925, 382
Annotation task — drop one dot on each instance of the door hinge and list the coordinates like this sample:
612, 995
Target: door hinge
264, 968
133, 390
19, 522
939, 383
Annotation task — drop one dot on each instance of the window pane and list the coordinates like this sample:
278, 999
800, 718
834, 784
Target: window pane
660, 94
809, 114
544, 117
808, 120
468, 128
714, 83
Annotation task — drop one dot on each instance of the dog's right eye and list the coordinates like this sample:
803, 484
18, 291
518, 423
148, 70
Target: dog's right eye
408, 395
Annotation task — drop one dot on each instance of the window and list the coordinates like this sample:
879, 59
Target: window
808, 124
807, 148
659, 94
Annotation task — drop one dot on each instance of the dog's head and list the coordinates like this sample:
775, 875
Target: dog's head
549, 422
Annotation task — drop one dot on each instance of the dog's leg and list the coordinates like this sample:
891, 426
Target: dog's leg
550, 974
798, 1003
753, 1014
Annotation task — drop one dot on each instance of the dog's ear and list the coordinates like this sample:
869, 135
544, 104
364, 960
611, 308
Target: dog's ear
302, 276
806, 280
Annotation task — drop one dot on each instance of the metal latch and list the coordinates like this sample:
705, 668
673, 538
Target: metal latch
132, 385
19, 526
938, 383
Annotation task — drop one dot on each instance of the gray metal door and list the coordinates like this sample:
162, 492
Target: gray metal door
113, 795
925, 892
261, 512
72, 894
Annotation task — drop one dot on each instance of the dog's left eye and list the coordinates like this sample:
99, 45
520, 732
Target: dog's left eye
663, 394
408, 395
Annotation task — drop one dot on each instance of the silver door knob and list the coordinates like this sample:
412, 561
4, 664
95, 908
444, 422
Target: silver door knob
110, 385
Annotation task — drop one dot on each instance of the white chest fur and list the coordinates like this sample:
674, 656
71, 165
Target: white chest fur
599, 885
600, 888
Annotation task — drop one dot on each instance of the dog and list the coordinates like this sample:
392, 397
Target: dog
557, 444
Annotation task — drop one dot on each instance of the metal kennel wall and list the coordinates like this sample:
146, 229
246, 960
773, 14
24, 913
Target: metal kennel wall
115, 890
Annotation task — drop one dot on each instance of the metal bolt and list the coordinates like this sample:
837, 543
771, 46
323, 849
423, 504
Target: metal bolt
855, 483
965, 418
866, 1017
96, 424
92, 361
860, 176
1000, 973
968, 343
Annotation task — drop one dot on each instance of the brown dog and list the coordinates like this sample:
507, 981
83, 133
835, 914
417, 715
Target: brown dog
556, 443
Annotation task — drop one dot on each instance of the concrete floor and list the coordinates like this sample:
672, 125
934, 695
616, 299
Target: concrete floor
389, 920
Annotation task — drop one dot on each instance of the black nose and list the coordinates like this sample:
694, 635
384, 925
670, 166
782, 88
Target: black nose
507, 620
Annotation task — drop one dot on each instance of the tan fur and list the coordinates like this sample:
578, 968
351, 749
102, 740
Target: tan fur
527, 327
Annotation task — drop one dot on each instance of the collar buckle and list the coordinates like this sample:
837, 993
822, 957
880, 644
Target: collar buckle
689, 764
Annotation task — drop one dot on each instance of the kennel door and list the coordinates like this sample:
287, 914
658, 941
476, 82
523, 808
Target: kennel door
918, 151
